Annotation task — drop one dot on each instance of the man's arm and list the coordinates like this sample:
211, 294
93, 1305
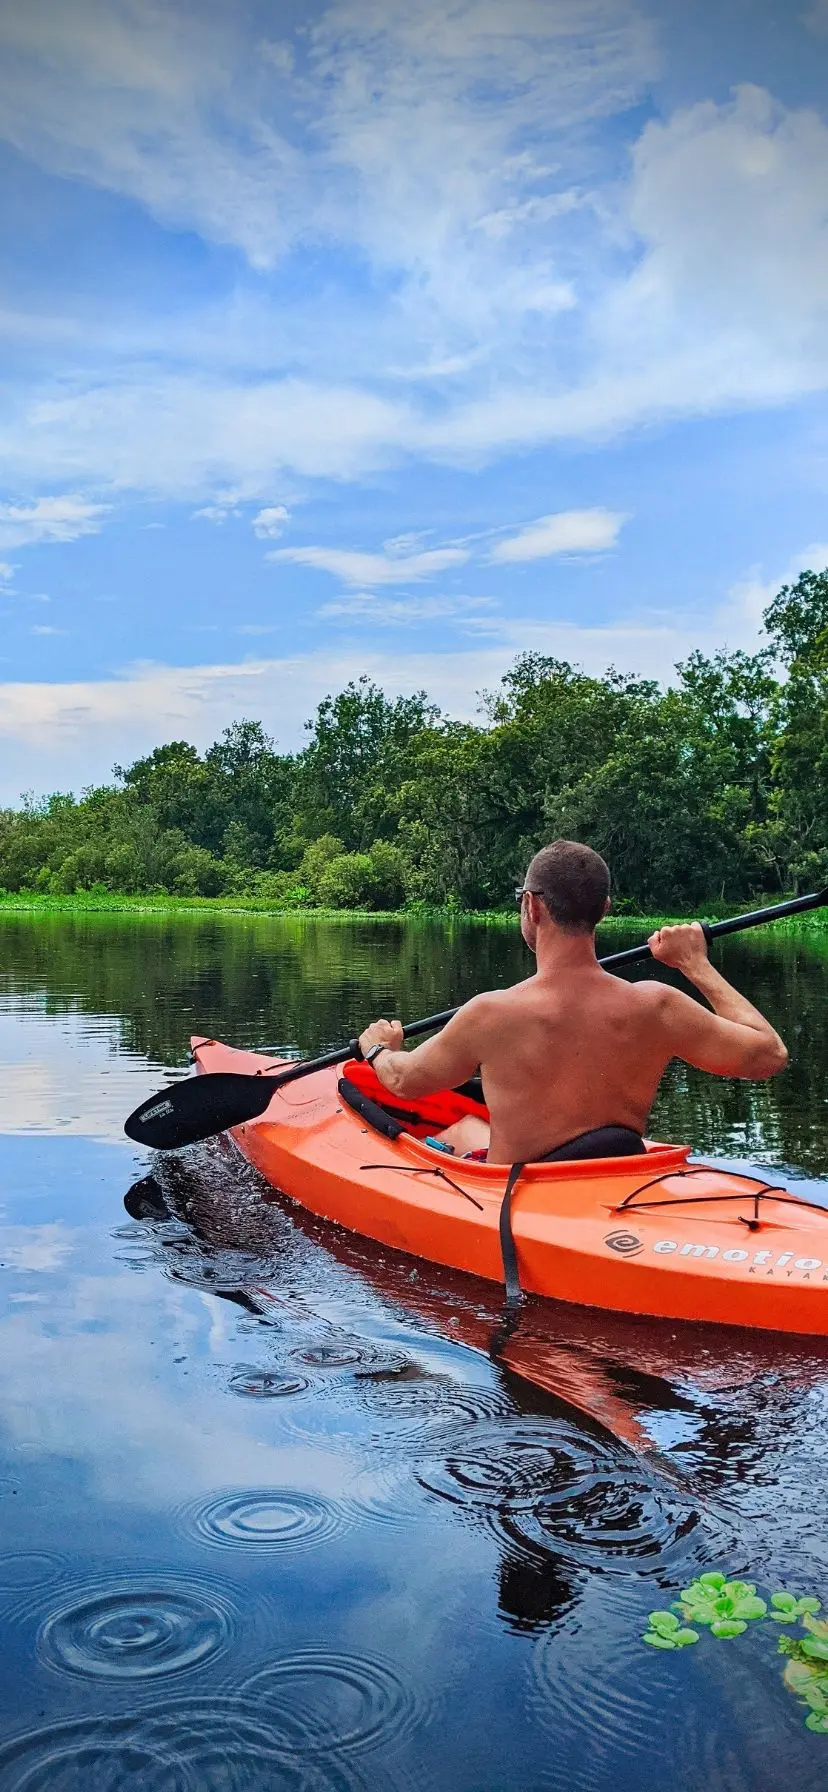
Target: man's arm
451, 1057
735, 1040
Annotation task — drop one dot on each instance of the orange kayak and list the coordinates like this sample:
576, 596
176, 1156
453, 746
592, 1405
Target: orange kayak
652, 1234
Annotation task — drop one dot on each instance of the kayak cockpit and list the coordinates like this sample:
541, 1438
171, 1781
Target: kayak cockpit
361, 1091
392, 1118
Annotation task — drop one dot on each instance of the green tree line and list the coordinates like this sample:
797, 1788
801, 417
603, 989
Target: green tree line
712, 789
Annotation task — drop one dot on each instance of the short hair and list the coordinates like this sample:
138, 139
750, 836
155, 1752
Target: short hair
573, 882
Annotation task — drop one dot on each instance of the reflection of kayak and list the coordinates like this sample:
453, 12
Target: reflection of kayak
651, 1234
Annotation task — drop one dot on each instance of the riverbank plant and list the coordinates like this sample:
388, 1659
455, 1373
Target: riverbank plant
811, 926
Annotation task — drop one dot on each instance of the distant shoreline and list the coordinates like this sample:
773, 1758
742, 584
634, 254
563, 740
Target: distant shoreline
95, 902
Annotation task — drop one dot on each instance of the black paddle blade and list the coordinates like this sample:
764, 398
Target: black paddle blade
197, 1109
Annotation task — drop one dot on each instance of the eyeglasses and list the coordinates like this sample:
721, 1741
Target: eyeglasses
522, 891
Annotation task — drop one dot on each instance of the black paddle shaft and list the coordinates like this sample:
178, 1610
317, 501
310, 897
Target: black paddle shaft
201, 1106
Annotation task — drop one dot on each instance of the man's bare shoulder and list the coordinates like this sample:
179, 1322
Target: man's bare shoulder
660, 1001
669, 1010
655, 995
494, 1004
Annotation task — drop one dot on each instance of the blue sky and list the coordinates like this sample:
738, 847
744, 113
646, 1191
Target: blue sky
398, 336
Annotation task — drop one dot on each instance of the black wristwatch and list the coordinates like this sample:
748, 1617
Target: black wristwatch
375, 1052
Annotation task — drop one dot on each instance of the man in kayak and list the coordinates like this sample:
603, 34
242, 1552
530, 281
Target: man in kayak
571, 1058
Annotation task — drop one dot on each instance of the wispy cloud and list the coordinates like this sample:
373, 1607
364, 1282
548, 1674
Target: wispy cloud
259, 144
404, 563
182, 435
6, 574
563, 532
373, 569
49, 519
212, 513
382, 612
495, 271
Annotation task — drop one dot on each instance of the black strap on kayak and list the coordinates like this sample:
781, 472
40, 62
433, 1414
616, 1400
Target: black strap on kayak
511, 1274
600, 1141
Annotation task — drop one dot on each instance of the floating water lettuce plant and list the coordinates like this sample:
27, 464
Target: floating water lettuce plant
788, 1609
724, 1607
665, 1632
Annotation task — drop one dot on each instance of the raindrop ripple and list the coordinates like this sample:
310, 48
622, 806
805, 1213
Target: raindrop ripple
280, 1519
562, 1490
339, 1701
135, 1631
216, 1745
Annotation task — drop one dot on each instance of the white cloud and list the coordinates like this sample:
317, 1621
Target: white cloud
564, 532
374, 569
180, 436
271, 521
447, 116
65, 735
381, 612
567, 532
143, 100
813, 558
6, 574
745, 604
49, 519
728, 202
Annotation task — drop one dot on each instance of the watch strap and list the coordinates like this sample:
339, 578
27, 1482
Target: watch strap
375, 1052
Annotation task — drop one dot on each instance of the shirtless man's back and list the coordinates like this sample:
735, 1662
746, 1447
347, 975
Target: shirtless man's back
573, 1048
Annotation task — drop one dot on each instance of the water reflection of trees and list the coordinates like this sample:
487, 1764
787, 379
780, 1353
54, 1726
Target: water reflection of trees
307, 982
782, 1121
290, 979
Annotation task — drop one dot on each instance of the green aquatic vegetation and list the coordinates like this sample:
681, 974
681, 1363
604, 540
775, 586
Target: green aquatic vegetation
665, 1632
727, 1607
724, 1607
813, 1647
788, 1609
806, 1672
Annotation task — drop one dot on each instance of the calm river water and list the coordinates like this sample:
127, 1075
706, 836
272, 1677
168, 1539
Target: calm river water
272, 1516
